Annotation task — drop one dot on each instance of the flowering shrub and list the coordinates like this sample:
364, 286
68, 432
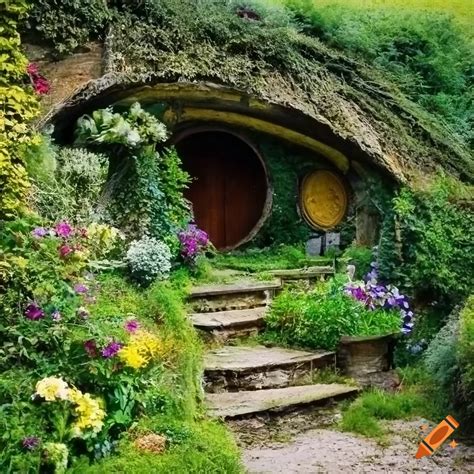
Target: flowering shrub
40, 83
375, 295
317, 319
148, 260
88, 413
194, 241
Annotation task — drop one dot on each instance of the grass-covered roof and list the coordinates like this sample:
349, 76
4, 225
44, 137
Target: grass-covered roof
400, 97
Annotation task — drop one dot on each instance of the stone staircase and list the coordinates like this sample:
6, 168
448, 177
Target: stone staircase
241, 380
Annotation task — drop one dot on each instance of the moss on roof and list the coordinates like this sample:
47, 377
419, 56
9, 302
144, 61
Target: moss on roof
272, 60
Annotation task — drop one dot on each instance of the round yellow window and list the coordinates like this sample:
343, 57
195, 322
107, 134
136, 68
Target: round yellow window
323, 199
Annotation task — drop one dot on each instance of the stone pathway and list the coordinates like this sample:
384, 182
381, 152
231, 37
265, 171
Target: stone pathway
331, 451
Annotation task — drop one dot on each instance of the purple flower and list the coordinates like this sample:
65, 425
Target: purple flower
80, 288
82, 313
40, 232
91, 348
56, 315
111, 349
132, 325
34, 312
63, 229
30, 442
193, 241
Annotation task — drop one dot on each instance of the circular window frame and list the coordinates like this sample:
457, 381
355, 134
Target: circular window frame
310, 220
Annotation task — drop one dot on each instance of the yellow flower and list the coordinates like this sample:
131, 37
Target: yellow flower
132, 357
141, 349
88, 412
52, 388
147, 342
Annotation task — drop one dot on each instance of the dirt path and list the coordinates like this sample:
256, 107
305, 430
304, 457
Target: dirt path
279, 449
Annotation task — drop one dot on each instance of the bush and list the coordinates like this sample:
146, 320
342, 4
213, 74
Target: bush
318, 319
441, 356
466, 363
148, 260
67, 182
436, 226
68, 24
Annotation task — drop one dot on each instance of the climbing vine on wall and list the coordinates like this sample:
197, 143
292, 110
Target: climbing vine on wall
18, 106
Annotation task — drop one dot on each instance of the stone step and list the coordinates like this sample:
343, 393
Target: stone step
309, 273
234, 404
225, 325
239, 295
233, 368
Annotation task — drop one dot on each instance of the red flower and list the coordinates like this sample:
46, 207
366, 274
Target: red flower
65, 250
39, 82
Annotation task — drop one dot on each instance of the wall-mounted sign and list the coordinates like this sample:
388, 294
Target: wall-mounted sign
323, 199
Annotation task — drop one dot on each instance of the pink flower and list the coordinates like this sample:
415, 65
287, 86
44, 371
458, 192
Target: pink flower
80, 288
32, 69
63, 229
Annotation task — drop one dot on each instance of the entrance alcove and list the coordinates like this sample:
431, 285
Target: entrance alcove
229, 191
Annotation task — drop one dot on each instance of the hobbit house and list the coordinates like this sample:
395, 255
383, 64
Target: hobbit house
278, 152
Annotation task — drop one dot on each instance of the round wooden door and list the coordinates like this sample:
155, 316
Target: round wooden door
229, 186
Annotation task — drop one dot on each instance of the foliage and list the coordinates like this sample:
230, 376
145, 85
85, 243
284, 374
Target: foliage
441, 359
363, 415
318, 319
67, 182
209, 448
110, 356
437, 248
134, 129
144, 193
361, 257
258, 260
427, 55
68, 24
18, 106
148, 260
465, 401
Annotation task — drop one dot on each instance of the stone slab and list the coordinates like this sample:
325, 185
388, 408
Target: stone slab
229, 319
243, 358
232, 404
239, 287
301, 273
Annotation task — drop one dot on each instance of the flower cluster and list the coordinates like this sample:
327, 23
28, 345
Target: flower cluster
193, 242
148, 259
71, 240
88, 412
52, 389
140, 350
374, 295
39, 82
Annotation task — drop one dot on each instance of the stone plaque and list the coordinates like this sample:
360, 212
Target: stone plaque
314, 246
323, 199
